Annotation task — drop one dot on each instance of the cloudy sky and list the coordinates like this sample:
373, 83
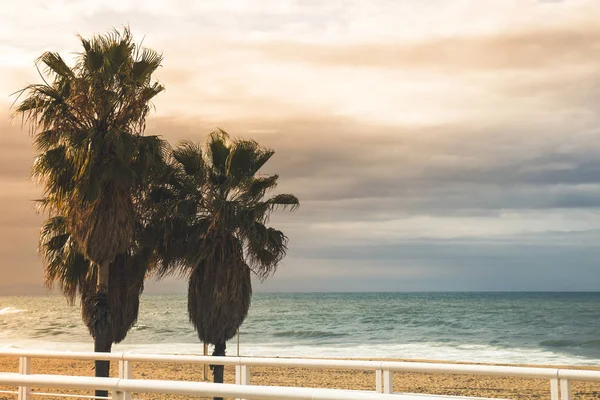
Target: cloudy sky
434, 145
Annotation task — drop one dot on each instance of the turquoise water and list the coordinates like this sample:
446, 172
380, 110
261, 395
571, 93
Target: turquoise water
541, 328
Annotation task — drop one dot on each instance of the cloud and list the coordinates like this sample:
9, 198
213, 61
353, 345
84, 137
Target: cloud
445, 267
529, 49
508, 167
427, 151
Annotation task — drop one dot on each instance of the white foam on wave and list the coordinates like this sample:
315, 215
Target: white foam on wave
410, 351
422, 351
10, 310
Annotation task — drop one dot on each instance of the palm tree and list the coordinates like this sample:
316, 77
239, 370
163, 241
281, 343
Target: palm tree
219, 195
94, 161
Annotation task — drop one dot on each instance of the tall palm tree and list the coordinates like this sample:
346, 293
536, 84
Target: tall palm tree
218, 193
94, 161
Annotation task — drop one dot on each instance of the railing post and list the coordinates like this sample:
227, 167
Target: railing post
118, 395
242, 375
565, 389
125, 372
388, 381
554, 393
245, 374
24, 392
205, 365
379, 381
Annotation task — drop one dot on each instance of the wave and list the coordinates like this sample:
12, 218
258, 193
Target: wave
10, 310
139, 327
309, 334
49, 331
571, 343
421, 351
414, 351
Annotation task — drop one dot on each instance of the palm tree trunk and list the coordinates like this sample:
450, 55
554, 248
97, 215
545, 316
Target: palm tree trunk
103, 345
218, 369
102, 334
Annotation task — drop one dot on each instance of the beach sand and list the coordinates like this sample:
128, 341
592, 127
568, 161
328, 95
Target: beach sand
446, 384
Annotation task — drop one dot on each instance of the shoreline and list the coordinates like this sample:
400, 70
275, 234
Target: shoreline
408, 382
486, 356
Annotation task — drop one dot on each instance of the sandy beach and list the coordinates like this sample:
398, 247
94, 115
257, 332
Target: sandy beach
447, 384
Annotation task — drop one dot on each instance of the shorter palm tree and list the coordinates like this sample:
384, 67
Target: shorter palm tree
217, 218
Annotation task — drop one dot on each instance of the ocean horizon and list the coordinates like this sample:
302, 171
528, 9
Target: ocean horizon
547, 328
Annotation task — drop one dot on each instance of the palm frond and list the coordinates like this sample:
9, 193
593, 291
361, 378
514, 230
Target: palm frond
265, 248
254, 189
142, 69
189, 155
64, 264
283, 201
47, 139
92, 59
217, 150
56, 65
241, 159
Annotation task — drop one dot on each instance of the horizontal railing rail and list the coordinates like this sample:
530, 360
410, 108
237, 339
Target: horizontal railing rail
119, 387
560, 379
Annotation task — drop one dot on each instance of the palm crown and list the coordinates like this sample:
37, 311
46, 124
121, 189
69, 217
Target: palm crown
217, 192
221, 195
88, 124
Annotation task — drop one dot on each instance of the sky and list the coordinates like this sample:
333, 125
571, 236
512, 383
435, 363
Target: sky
434, 145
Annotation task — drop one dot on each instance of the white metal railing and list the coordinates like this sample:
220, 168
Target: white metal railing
120, 387
384, 370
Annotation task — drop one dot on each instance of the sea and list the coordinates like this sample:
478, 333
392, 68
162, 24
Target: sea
521, 328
